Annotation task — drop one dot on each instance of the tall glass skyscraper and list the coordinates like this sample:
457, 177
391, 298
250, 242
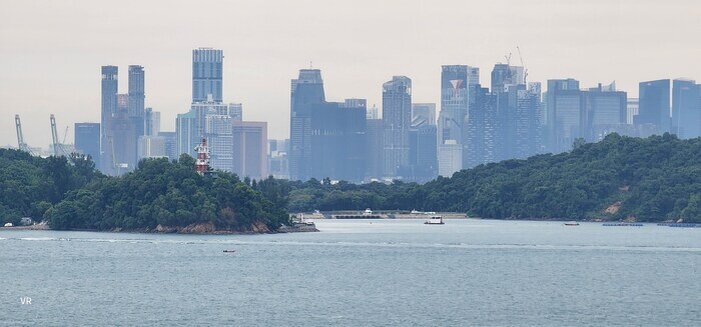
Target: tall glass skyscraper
207, 74
396, 121
686, 108
107, 113
653, 105
307, 91
87, 140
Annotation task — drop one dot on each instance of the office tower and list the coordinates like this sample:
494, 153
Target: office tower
454, 103
277, 158
481, 134
108, 110
151, 146
505, 74
527, 127
123, 143
686, 108
396, 119
450, 155
169, 144
152, 122
191, 126
374, 148
306, 91
632, 110
207, 74
564, 114
372, 113
220, 141
187, 134
87, 140
250, 149
423, 153
236, 111
423, 112
136, 91
604, 112
338, 140
654, 105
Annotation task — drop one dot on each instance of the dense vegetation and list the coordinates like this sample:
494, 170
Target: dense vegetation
74, 196
652, 179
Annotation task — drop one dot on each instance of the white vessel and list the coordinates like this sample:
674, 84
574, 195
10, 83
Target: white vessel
434, 220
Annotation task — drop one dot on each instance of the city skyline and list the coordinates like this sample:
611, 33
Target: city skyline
63, 64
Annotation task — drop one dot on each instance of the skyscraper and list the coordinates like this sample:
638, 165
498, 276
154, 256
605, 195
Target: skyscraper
604, 112
250, 149
220, 140
108, 110
654, 105
481, 134
564, 114
136, 91
686, 108
207, 74
396, 121
307, 91
87, 140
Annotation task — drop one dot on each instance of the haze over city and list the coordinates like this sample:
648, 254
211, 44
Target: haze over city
52, 52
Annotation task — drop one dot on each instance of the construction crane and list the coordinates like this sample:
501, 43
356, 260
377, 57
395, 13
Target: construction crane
65, 134
20, 137
54, 135
525, 70
508, 59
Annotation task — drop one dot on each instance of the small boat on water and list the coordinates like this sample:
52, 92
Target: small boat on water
571, 223
434, 220
229, 251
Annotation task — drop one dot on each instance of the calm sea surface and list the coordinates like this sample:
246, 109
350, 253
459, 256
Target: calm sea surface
358, 273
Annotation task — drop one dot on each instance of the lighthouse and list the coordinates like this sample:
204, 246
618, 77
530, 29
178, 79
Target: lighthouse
202, 161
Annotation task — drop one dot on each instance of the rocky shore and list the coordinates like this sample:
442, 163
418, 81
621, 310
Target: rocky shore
196, 228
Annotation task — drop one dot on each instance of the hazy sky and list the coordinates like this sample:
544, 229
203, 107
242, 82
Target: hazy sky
51, 51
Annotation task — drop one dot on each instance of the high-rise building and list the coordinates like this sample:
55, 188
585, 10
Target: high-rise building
108, 111
449, 158
236, 111
654, 105
423, 153
250, 149
136, 91
152, 122
686, 108
207, 74
423, 112
188, 133
374, 149
338, 140
564, 114
170, 144
220, 140
481, 145
505, 74
604, 112
632, 110
277, 158
527, 139
151, 146
87, 140
396, 119
307, 91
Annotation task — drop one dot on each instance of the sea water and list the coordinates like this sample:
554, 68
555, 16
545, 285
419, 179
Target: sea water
358, 273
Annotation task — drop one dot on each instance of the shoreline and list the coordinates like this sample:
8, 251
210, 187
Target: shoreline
188, 230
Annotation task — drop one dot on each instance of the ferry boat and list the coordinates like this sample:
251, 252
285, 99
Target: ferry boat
571, 223
434, 220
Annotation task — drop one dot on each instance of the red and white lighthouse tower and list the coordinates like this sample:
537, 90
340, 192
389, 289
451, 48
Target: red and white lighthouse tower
202, 161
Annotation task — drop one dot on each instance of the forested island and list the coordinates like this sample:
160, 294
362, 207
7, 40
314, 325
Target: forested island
641, 179
620, 178
159, 196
